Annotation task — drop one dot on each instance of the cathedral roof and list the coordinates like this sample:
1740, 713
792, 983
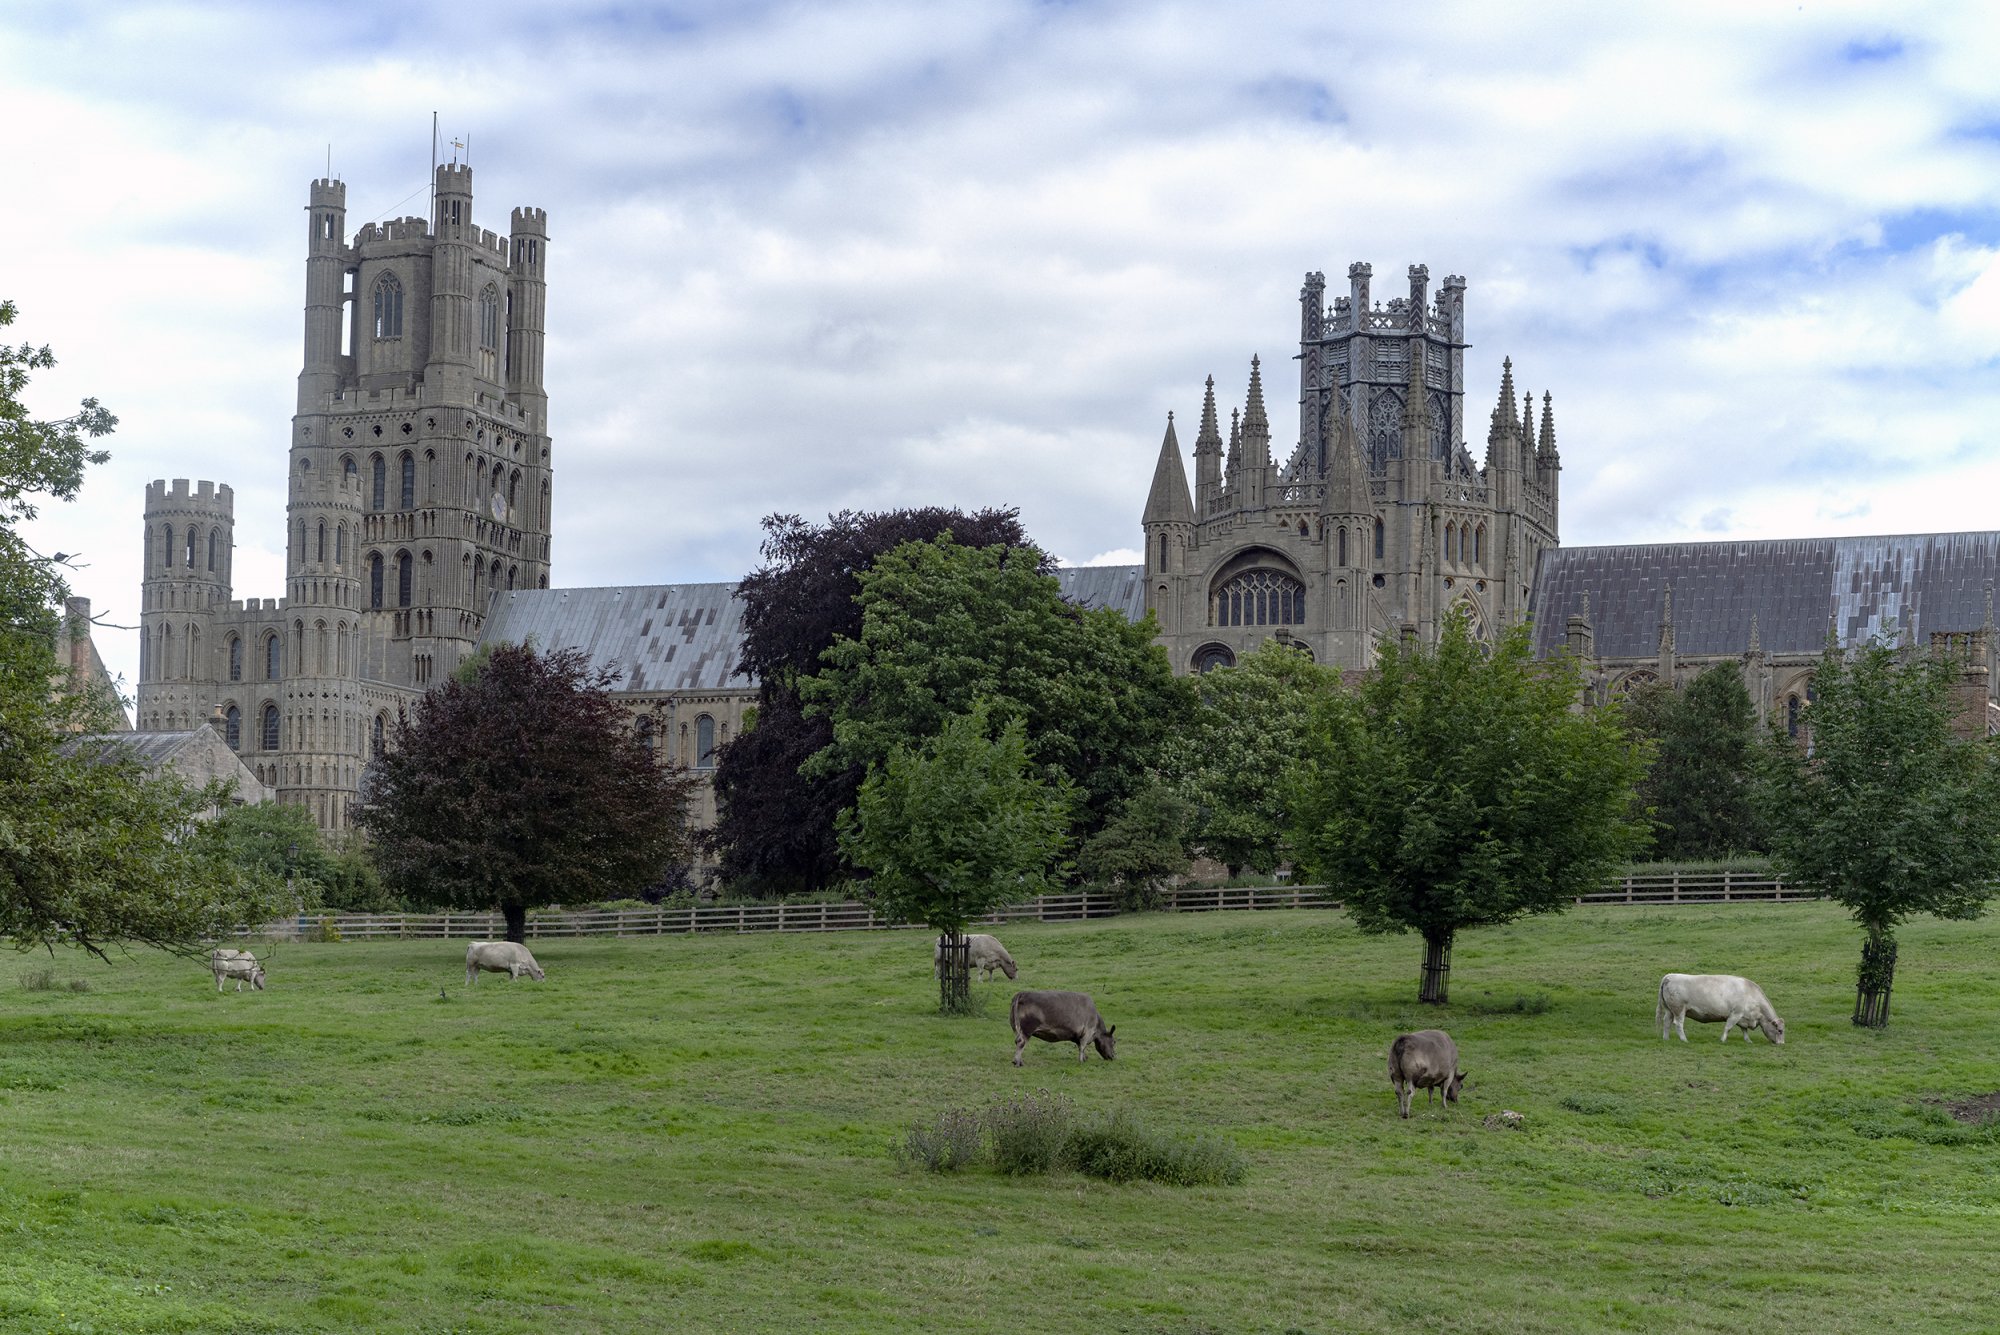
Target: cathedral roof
1793, 587
1120, 587
659, 637
151, 749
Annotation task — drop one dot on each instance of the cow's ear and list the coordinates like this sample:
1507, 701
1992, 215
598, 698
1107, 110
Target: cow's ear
1112, 1032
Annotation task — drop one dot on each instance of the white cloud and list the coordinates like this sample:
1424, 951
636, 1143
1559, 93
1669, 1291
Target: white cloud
874, 254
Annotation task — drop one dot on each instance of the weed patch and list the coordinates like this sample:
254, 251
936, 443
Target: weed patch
1118, 1149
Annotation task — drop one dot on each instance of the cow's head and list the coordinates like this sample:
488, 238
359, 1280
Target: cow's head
257, 977
1773, 1027
1106, 1045
1453, 1086
534, 971
1007, 967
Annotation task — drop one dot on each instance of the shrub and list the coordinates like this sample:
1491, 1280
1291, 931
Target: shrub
79, 985
1027, 1132
944, 1143
39, 980
1119, 1149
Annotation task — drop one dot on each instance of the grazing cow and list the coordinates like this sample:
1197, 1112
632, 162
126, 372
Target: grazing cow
238, 964
1060, 1017
1737, 1002
982, 952
505, 957
1426, 1060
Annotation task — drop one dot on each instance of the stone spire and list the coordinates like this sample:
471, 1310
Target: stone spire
1546, 450
1208, 455
1503, 414
1667, 622
1256, 425
1347, 474
1168, 502
1756, 639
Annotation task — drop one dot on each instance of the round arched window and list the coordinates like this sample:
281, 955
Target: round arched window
1212, 656
1261, 598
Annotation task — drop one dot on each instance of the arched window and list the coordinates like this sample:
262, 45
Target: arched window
166, 653
1479, 544
409, 481
429, 586
1212, 656
388, 307
191, 546
321, 558
512, 573
167, 531
232, 728
704, 742
340, 545
1791, 716
1163, 551
513, 491
489, 332
271, 658
235, 659
270, 727
1451, 542
299, 645
646, 738
1261, 598
375, 580
375, 736
1343, 546
319, 646
145, 657
348, 472
402, 579
212, 535
378, 493
1378, 539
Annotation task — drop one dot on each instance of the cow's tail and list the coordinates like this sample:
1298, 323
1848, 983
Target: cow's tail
1396, 1058
1014, 1013
1660, 1009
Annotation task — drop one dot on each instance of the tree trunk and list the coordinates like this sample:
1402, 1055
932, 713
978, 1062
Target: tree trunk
517, 922
954, 973
1877, 976
1436, 986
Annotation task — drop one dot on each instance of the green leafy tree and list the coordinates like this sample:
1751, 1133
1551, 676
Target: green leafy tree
1460, 788
1233, 758
1889, 812
954, 827
519, 784
1143, 844
284, 843
95, 849
944, 625
1700, 786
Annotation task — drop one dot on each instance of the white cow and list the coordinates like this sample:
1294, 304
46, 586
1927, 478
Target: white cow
982, 952
238, 964
1737, 1002
505, 957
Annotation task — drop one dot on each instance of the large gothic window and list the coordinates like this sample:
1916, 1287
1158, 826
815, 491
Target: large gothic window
271, 658
704, 742
232, 728
270, 727
388, 307
1261, 598
375, 581
409, 497
378, 491
489, 332
1385, 430
375, 737
235, 659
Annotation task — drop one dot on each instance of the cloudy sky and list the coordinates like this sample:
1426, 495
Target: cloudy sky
815, 256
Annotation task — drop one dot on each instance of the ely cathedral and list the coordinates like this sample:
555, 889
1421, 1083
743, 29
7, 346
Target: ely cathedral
418, 524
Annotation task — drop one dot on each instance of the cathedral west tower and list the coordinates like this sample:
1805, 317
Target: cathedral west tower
419, 483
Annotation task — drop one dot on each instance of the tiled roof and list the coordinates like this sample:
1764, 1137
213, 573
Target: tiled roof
660, 637
1918, 583
151, 749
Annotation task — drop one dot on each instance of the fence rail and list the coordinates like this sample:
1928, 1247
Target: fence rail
1714, 888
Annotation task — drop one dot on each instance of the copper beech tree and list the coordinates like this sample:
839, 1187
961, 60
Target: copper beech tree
519, 783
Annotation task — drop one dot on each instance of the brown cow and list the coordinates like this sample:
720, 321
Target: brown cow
1426, 1060
1060, 1017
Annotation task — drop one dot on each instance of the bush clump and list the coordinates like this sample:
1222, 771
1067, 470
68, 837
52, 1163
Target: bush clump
1031, 1134
944, 1143
1027, 1132
1119, 1149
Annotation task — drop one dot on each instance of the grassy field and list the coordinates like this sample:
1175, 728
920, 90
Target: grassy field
693, 1133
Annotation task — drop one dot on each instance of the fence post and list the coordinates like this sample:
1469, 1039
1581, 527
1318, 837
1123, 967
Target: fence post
1677, 887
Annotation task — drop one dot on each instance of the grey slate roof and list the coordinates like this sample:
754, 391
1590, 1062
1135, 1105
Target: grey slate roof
151, 749
661, 637
1122, 587
1919, 583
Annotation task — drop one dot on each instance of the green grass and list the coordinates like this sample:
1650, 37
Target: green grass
693, 1134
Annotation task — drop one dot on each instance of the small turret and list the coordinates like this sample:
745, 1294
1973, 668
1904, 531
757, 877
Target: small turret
1168, 502
1232, 478
324, 367
1208, 456
527, 313
1256, 442
1579, 636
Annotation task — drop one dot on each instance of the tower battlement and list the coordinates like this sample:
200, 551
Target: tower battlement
393, 229
327, 193
530, 221
211, 497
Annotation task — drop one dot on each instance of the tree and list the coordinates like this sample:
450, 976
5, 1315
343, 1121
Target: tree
1460, 788
1888, 812
284, 843
944, 625
953, 828
1700, 785
95, 849
518, 784
1232, 758
774, 828
1144, 843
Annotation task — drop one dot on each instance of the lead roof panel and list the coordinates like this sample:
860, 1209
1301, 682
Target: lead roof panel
1796, 588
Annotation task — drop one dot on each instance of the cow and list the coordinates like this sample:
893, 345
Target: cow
508, 957
982, 952
1426, 1060
1060, 1017
1737, 1002
238, 964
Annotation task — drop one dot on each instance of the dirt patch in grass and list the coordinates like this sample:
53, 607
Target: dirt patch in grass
1979, 1108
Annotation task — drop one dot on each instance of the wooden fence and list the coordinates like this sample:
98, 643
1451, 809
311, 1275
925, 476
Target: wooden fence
854, 917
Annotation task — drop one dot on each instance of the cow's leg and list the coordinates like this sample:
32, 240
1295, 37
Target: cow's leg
1681, 1025
1405, 1092
1728, 1020
1020, 1042
1081, 1050
471, 974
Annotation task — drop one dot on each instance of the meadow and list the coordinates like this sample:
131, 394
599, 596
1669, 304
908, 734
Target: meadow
692, 1133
